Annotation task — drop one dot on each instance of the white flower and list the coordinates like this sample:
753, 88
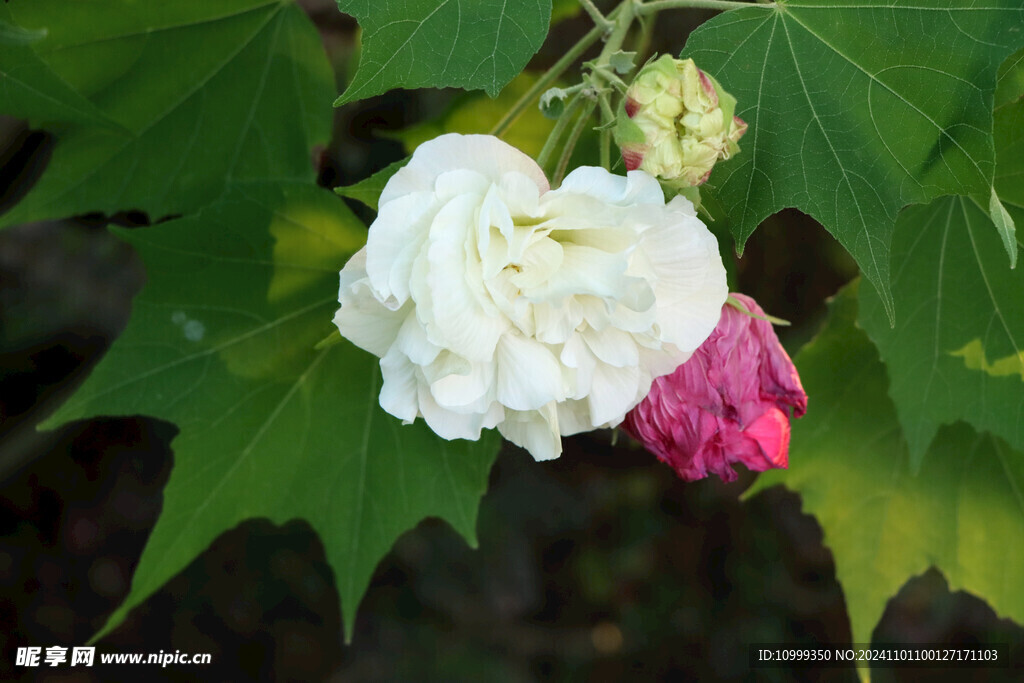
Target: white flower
492, 300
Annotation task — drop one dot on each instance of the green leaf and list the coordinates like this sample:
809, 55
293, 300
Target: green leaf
222, 343
368, 190
958, 352
858, 109
29, 89
476, 113
211, 92
962, 514
957, 355
441, 43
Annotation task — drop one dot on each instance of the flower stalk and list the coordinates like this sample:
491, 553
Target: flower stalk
600, 20
570, 144
556, 133
546, 79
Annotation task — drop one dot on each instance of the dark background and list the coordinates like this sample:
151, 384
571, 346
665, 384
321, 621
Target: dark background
598, 566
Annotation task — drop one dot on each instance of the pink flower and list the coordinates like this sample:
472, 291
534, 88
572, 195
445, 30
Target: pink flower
728, 403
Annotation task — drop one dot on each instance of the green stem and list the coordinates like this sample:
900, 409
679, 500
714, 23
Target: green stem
659, 5
556, 132
607, 116
599, 76
549, 77
625, 14
595, 14
643, 43
570, 144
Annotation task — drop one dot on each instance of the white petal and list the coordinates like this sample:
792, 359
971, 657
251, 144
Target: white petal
462, 386
574, 417
613, 394
584, 271
529, 376
638, 187
395, 240
413, 342
448, 424
484, 154
613, 346
577, 211
521, 194
555, 324
451, 184
682, 205
539, 264
398, 394
362, 319
690, 283
577, 357
536, 431
661, 361
459, 322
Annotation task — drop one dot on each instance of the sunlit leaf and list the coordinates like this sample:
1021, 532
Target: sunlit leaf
962, 513
963, 325
958, 352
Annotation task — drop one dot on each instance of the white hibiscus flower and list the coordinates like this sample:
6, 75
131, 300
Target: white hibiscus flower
494, 301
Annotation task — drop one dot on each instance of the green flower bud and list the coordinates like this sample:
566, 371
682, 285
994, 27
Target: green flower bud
676, 122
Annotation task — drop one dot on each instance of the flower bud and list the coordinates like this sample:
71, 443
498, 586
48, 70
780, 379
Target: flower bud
729, 403
676, 122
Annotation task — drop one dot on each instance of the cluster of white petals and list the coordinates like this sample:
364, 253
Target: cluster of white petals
494, 301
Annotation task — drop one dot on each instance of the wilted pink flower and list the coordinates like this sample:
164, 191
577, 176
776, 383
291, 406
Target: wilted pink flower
728, 403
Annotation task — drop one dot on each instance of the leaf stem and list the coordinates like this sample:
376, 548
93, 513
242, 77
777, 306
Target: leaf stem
654, 6
570, 144
549, 77
626, 12
600, 74
595, 14
643, 43
607, 116
559, 128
